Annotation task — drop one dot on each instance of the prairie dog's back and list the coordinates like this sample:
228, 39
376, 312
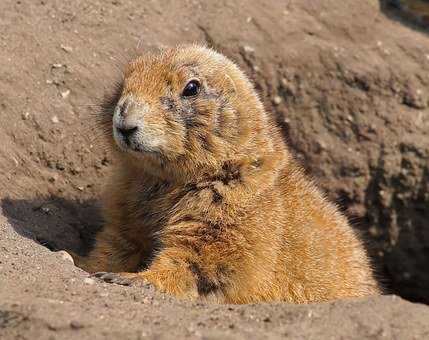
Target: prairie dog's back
321, 247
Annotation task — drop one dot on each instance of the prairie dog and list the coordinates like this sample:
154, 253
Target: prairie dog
206, 201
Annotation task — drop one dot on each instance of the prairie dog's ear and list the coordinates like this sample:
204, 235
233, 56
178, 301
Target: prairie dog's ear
228, 85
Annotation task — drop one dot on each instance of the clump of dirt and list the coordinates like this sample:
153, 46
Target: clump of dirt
347, 83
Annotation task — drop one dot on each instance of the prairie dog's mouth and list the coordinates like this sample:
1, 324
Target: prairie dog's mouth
130, 140
130, 130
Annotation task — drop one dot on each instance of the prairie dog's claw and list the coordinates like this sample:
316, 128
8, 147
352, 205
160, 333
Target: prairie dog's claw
116, 278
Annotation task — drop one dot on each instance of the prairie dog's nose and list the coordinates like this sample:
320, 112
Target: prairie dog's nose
127, 107
125, 119
127, 131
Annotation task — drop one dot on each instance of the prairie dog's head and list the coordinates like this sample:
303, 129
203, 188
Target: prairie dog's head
189, 106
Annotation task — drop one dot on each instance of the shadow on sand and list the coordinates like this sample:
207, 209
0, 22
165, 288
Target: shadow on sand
412, 18
55, 222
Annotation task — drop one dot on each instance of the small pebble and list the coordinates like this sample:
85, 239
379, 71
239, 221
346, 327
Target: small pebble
46, 210
66, 256
147, 300
66, 48
65, 94
88, 281
76, 325
248, 49
277, 100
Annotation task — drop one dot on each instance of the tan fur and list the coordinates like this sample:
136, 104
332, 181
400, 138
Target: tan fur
212, 206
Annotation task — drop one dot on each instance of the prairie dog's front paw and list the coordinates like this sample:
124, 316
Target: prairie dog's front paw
124, 279
117, 278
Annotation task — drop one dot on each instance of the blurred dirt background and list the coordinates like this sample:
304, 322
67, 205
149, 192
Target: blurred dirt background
347, 81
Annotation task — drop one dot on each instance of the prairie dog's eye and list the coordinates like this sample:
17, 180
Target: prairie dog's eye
192, 88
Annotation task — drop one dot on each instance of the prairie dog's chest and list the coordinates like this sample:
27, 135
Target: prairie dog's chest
152, 202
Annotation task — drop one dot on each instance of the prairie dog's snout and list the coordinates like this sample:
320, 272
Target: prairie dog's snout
126, 121
131, 129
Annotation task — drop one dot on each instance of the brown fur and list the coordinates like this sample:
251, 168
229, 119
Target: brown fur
207, 202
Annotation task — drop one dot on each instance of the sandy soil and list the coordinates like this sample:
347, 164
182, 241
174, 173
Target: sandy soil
349, 86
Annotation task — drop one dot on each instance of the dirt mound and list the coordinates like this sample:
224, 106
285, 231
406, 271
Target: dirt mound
348, 85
